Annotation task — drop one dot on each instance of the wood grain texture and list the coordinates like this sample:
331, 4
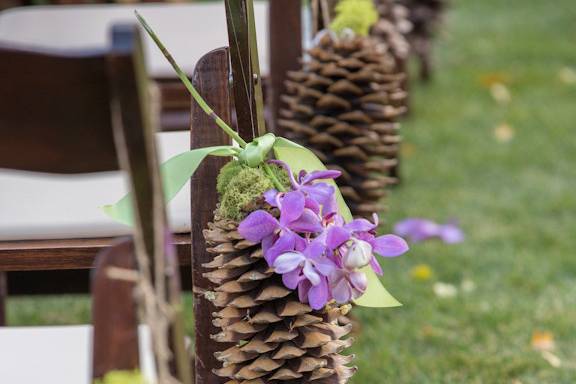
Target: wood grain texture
47, 109
3, 297
211, 80
114, 314
67, 254
285, 26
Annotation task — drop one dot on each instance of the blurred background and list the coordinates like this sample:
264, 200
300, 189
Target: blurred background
490, 143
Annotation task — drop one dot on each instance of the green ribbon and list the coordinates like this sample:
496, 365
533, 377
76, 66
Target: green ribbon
178, 170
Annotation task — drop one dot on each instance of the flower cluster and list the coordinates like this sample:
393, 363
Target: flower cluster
311, 246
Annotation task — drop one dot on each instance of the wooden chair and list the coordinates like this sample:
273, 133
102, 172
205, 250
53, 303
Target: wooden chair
120, 136
57, 114
284, 39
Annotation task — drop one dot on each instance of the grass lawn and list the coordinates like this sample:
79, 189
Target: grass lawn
516, 201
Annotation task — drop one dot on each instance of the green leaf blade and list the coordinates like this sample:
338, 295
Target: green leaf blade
175, 172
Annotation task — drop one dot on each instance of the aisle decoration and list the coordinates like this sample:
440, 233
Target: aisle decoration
289, 259
344, 104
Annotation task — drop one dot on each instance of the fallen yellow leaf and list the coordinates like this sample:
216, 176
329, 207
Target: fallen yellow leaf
421, 272
500, 93
503, 133
543, 340
489, 79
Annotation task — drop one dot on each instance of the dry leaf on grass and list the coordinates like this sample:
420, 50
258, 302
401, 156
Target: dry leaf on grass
489, 79
500, 93
504, 133
543, 341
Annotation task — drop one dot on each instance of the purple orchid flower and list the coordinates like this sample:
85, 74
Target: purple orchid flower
307, 271
362, 232
418, 229
316, 193
311, 246
279, 236
347, 285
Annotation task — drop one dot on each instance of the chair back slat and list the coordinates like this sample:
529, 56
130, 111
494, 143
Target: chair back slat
54, 112
211, 79
114, 316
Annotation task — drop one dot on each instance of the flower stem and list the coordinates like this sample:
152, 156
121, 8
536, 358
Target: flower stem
201, 102
273, 178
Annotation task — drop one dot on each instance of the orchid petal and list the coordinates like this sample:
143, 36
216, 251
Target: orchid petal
292, 279
325, 266
451, 233
291, 207
358, 281
318, 295
311, 274
270, 197
341, 291
360, 225
336, 236
307, 222
315, 175
376, 266
417, 229
288, 262
389, 245
258, 225
312, 205
303, 289
285, 243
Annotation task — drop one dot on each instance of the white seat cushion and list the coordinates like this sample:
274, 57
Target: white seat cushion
39, 206
62, 355
188, 30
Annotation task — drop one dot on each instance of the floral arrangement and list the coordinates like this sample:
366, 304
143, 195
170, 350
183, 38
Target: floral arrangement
288, 256
311, 245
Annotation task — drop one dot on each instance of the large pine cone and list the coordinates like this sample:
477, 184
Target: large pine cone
344, 104
278, 338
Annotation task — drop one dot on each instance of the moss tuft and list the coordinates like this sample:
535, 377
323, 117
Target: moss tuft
226, 174
240, 187
357, 15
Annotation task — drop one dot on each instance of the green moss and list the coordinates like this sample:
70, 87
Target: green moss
357, 15
122, 377
226, 174
239, 187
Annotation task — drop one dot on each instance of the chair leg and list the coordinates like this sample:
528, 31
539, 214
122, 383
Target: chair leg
3, 297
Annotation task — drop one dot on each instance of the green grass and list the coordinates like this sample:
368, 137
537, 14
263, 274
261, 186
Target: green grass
516, 202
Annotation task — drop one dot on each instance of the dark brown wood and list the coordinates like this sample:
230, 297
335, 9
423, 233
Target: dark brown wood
285, 27
153, 244
211, 80
66, 254
3, 297
51, 103
114, 315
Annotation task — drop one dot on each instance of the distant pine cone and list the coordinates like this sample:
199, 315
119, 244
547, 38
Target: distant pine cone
425, 17
278, 338
392, 27
343, 104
